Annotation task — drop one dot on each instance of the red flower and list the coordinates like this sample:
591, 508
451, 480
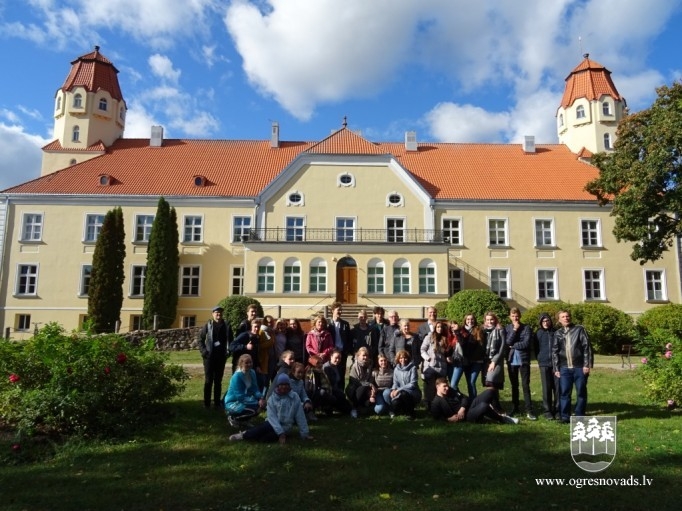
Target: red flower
13, 378
16, 447
121, 358
107, 370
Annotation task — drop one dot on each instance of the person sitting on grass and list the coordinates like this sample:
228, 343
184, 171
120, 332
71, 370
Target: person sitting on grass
361, 389
404, 394
331, 369
297, 377
453, 406
320, 390
284, 366
284, 409
243, 399
383, 377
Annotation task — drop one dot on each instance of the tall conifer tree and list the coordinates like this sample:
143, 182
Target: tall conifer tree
105, 292
161, 283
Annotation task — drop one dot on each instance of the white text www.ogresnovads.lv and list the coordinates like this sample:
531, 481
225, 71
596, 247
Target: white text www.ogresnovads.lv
579, 482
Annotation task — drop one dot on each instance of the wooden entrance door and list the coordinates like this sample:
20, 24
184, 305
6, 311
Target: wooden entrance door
347, 284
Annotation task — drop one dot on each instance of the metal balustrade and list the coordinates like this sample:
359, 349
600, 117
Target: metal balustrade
314, 235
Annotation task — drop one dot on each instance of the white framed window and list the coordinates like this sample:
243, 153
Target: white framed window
103, 104
607, 141
452, 231
345, 179
561, 120
135, 322
318, 276
345, 229
656, 289
500, 282
590, 233
401, 277
455, 280
544, 232
84, 286
77, 101
32, 227
395, 200
606, 108
376, 276
193, 229
241, 225
237, 284
395, 230
189, 321
497, 232
295, 228
593, 284
427, 277
143, 228
27, 280
76, 134
22, 322
292, 276
295, 198
547, 284
266, 276
93, 226
190, 279
138, 276
580, 112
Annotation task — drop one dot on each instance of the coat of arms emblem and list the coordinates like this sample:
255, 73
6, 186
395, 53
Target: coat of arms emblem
593, 442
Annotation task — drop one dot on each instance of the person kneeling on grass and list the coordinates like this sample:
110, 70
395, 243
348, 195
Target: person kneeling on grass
453, 406
284, 409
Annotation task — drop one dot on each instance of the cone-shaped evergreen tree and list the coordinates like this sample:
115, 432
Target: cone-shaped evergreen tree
161, 282
105, 293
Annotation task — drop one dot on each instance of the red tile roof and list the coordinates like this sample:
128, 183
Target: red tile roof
94, 72
242, 168
588, 80
56, 146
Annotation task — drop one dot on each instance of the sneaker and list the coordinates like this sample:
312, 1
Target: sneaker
236, 437
509, 420
391, 415
354, 413
531, 417
233, 422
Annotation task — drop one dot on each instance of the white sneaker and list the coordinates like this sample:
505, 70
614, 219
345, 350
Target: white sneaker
510, 420
354, 413
391, 415
236, 437
233, 422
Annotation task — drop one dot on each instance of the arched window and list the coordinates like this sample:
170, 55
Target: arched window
401, 277
77, 101
292, 275
266, 275
103, 104
76, 134
376, 276
427, 277
607, 141
318, 276
580, 112
606, 108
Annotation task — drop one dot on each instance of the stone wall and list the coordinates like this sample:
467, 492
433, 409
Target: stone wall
174, 339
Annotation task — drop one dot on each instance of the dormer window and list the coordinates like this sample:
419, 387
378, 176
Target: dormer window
394, 199
104, 180
77, 101
199, 181
606, 108
346, 179
103, 104
76, 134
580, 112
295, 198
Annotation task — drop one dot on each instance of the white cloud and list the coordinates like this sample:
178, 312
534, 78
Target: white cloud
21, 155
450, 122
162, 67
139, 121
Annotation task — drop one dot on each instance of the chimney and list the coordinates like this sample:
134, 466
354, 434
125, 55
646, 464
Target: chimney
529, 144
274, 135
157, 136
410, 140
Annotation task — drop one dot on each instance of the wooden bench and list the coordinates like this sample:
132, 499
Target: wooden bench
625, 351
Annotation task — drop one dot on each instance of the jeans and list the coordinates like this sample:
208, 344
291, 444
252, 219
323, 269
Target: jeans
569, 377
457, 373
381, 406
472, 371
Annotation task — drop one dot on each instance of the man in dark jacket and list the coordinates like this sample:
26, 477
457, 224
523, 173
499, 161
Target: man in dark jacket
214, 340
572, 360
453, 406
518, 339
342, 336
543, 341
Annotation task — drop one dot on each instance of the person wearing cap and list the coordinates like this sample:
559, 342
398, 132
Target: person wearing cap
213, 339
543, 342
284, 409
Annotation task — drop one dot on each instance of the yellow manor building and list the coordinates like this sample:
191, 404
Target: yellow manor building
298, 225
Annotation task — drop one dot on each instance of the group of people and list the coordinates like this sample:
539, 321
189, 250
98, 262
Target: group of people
296, 375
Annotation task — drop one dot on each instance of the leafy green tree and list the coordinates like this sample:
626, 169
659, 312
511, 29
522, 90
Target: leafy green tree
477, 302
642, 177
105, 292
235, 309
161, 278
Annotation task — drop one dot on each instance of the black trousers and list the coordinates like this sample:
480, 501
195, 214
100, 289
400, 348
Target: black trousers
514, 373
550, 390
214, 369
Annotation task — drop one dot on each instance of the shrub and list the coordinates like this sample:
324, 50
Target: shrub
84, 384
532, 316
235, 309
441, 309
664, 317
661, 367
607, 327
477, 302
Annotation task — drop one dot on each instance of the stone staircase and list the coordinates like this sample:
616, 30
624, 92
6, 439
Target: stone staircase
349, 312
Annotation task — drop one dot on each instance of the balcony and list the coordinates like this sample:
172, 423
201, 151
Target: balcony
344, 236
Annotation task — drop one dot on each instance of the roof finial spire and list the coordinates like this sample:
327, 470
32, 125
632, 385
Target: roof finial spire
96, 48
345, 121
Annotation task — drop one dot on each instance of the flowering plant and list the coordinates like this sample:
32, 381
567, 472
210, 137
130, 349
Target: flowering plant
661, 368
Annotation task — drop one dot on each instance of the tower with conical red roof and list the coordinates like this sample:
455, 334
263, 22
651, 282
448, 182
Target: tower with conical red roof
89, 113
590, 109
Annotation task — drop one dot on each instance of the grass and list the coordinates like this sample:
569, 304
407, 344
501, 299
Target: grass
185, 462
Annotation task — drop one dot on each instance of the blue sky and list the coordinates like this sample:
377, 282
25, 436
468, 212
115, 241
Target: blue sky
451, 70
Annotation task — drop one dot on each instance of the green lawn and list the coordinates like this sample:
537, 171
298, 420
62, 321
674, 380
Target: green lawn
185, 462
